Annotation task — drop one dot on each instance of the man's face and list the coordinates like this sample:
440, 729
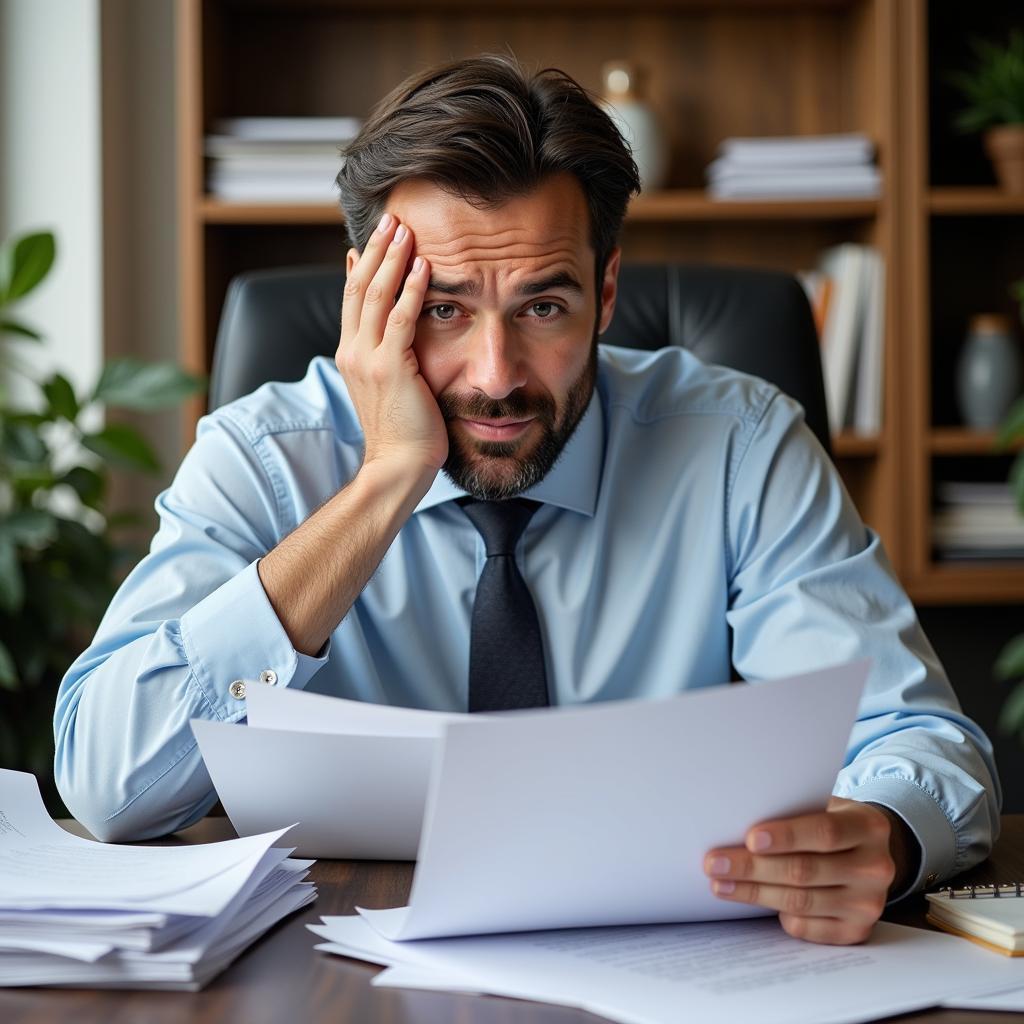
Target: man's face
507, 336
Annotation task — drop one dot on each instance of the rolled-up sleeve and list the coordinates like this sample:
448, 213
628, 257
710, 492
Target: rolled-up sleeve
810, 586
190, 621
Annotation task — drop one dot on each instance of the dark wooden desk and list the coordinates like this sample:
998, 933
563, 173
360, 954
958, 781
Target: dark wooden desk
282, 980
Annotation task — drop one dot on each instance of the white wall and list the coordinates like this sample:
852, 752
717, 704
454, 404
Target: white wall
50, 169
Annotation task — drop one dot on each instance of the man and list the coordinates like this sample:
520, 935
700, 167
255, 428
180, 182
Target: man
681, 518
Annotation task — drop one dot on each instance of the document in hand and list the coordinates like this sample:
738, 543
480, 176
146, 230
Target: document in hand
78, 912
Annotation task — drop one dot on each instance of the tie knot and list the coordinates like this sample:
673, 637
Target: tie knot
500, 523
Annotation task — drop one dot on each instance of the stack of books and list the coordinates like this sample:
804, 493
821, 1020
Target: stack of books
82, 913
977, 521
847, 295
277, 159
795, 167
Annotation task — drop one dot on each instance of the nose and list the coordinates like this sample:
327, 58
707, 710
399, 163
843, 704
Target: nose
493, 362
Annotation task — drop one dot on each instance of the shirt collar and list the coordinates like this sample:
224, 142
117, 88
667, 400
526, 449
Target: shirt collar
572, 482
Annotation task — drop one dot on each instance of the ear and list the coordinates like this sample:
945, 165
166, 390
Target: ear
609, 289
351, 259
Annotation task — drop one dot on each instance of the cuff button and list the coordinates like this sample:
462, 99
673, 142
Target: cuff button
930, 880
237, 689
268, 676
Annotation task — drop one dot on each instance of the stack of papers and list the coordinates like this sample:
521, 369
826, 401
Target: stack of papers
795, 167
277, 159
977, 521
719, 972
77, 912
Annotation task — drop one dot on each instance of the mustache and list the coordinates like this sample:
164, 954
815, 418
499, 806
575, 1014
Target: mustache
480, 407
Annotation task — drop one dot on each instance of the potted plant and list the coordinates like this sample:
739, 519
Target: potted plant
994, 90
1010, 663
61, 549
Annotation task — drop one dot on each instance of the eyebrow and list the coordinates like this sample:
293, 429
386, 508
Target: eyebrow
561, 279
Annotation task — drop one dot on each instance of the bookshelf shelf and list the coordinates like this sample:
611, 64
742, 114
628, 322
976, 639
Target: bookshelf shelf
975, 201
855, 446
958, 441
215, 211
970, 583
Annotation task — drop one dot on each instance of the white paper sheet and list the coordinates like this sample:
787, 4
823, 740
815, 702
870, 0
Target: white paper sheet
358, 797
42, 865
1011, 1000
602, 814
721, 972
273, 707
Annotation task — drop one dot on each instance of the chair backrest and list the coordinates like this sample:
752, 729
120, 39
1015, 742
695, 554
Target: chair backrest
757, 321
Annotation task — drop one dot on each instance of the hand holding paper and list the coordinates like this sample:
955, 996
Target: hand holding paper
828, 873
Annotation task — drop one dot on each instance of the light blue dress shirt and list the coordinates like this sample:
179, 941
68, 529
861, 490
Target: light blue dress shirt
691, 524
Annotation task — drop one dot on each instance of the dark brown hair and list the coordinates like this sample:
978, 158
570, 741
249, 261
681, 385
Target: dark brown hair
487, 131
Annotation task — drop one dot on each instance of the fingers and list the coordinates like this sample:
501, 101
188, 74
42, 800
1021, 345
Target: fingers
400, 329
837, 901
374, 282
829, 931
800, 870
824, 832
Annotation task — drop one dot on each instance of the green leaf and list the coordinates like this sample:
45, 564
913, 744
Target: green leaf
133, 384
1011, 715
60, 397
89, 485
12, 583
33, 257
1010, 663
122, 446
1013, 426
32, 527
8, 326
22, 443
8, 671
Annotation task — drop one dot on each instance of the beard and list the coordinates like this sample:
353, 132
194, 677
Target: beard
499, 470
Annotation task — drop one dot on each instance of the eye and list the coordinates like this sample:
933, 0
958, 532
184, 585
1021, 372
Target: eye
547, 310
442, 311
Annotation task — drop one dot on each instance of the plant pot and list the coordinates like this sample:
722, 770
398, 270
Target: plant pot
1005, 147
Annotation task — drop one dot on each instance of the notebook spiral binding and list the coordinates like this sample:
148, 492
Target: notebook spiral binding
985, 892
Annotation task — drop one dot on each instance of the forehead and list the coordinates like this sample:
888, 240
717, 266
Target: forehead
536, 231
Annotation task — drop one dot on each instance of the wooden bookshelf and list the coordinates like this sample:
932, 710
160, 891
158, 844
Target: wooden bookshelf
961, 252
715, 69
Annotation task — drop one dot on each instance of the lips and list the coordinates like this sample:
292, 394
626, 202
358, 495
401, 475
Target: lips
497, 430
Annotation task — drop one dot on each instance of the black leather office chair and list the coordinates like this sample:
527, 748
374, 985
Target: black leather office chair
758, 321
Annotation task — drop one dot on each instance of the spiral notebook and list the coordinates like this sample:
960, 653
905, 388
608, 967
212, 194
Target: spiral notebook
991, 915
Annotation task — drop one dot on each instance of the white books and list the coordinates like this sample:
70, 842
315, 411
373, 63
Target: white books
847, 291
795, 167
78, 912
267, 159
977, 520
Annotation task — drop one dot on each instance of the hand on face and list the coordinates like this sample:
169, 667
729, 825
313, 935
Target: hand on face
828, 874
400, 417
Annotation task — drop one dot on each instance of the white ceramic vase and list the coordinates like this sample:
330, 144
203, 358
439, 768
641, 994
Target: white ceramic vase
637, 122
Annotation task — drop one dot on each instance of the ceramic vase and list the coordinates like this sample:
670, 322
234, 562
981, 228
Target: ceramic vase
639, 125
989, 371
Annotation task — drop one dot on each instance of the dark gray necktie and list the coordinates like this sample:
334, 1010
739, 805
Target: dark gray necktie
506, 653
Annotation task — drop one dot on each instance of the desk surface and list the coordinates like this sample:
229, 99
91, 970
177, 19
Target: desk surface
282, 979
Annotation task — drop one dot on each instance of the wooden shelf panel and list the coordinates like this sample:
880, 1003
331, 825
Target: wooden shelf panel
680, 205
855, 446
216, 211
960, 441
988, 202
972, 583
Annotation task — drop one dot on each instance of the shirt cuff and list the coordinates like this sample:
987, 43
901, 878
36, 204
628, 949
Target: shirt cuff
925, 819
233, 639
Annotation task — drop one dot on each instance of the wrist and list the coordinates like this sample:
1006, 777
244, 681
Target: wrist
904, 849
402, 481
